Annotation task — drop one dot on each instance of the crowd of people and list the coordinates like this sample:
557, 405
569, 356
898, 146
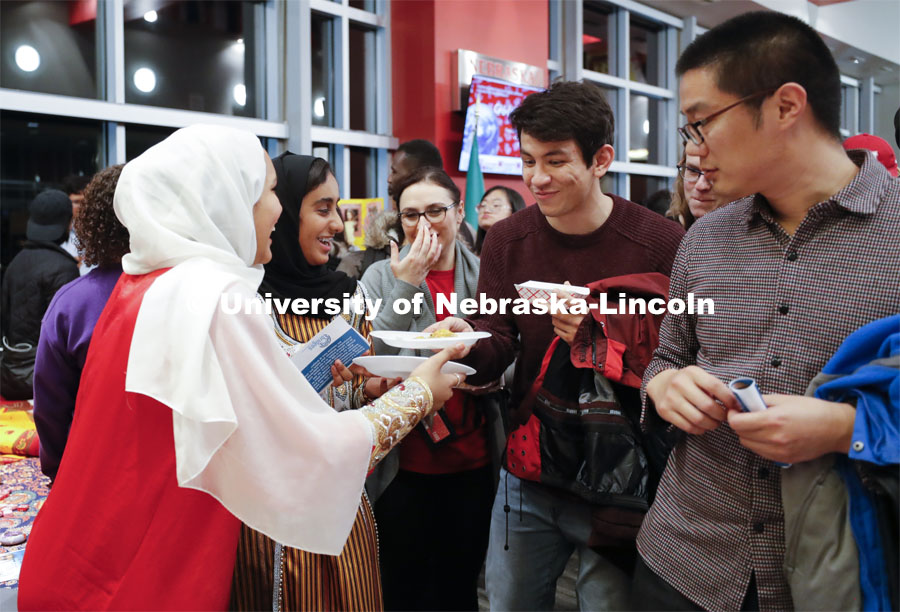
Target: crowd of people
225, 480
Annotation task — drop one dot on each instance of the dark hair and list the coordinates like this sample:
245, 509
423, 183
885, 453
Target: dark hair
659, 201
516, 201
897, 127
101, 238
568, 110
427, 174
422, 152
75, 183
318, 173
762, 51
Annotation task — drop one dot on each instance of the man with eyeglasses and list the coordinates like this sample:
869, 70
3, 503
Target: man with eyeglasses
792, 270
579, 234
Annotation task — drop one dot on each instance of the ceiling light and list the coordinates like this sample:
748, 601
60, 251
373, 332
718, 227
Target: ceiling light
638, 154
150, 16
145, 80
646, 126
27, 58
240, 94
319, 107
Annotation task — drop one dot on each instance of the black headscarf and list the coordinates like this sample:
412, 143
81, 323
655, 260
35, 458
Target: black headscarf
289, 275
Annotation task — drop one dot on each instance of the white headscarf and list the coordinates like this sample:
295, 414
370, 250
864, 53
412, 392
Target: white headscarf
188, 205
248, 428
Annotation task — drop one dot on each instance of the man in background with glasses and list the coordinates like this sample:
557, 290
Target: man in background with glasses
793, 270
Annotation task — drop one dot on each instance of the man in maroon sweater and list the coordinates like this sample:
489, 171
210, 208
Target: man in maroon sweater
576, 233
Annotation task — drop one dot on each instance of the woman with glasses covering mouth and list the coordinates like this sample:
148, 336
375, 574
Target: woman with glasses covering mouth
694, 194
433, 496
498, 203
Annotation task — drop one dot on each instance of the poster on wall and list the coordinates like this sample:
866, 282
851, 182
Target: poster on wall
498, 146
357, 214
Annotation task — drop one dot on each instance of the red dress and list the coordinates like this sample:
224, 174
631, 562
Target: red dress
117, 532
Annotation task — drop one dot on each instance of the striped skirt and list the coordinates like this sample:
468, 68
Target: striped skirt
268, 576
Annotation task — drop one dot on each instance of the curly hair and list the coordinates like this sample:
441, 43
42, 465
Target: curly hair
102, 239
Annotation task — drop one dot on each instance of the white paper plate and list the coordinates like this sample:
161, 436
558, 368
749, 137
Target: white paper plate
392, 366
537, 290
420, 340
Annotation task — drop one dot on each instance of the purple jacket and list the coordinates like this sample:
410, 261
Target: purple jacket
66, 332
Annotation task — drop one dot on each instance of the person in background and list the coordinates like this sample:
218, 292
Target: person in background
382, 227
190, 418
410, 155
694, 194
879, 146
74, 186
69, 323
659, 201
433, 495
30, 281
498, 203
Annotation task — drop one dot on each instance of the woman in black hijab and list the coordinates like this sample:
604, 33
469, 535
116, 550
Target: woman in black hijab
309, 196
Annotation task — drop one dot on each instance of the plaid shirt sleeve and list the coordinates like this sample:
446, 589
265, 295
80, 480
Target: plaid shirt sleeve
677, 340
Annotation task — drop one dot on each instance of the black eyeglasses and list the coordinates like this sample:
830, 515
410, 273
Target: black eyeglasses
435, 214
689, 173
691, 131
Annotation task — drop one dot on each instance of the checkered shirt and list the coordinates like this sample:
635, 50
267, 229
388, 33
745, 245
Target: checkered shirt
783, 305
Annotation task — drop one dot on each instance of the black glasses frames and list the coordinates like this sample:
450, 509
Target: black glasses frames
691, 131
411, 218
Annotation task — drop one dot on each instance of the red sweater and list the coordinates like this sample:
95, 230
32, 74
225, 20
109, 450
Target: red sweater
525, 247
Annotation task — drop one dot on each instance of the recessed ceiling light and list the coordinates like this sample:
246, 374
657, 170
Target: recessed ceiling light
27, 58
240, 94
150, 16
145, 80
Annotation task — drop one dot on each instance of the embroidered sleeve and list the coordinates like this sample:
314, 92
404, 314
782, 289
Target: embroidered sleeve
395, 413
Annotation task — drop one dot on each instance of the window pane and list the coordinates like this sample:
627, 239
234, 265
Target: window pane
139, 138
599, 39
323, 71
554, 51
647, 140
846, 123
645, 188
608, 183
325, 151
362, 79
362, 173
199, 56
36, 153
363, 5
49, 47
645, 44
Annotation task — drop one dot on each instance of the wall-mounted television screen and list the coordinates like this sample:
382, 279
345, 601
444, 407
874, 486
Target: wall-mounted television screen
498, 146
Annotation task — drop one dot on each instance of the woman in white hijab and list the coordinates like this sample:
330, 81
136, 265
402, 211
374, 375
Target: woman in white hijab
190, 420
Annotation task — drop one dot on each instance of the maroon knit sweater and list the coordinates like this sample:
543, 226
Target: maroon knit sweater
525, 247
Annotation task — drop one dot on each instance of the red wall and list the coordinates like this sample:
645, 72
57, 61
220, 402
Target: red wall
425, 36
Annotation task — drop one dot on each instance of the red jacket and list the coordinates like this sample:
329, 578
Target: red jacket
620, 346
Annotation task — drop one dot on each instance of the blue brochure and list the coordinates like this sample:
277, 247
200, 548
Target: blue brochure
337, 341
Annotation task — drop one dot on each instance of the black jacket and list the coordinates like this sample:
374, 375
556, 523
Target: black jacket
31, 280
